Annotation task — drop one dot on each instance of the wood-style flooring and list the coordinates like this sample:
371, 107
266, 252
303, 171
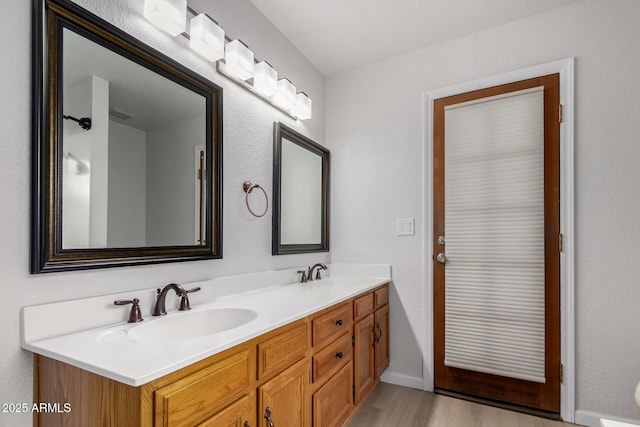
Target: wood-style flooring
395, 406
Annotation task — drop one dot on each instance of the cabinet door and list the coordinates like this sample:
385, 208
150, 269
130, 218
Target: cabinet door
283, 399
241, 413
334, 400
363, 357
381, 340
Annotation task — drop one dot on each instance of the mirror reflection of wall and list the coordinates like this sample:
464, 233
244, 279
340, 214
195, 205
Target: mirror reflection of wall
301, 195
139, 173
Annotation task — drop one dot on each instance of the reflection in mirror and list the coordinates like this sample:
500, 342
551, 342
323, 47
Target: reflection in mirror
127, 149
301, 187
137, 159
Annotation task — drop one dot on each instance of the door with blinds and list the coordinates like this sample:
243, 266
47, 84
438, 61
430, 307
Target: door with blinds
496, 244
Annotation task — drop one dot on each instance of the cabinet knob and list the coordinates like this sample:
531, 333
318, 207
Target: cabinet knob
339, 355
246, 424
339, 322
267, 416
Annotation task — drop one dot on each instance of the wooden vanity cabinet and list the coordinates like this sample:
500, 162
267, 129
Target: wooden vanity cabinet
313, 372
332, 368
371, 340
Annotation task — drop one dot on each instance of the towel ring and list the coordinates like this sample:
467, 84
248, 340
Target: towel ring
248, 188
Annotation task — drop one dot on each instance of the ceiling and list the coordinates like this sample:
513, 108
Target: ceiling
338, 35
147, 99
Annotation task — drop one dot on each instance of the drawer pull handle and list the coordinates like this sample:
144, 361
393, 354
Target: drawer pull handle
339, 322
339, 355
267, 416
246, 424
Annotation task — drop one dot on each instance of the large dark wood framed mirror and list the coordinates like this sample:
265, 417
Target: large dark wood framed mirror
127, 149
300, 193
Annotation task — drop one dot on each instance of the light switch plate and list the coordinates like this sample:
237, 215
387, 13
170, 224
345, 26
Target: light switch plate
405, 226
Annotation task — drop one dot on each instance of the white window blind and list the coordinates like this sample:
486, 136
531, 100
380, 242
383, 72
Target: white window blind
494, 227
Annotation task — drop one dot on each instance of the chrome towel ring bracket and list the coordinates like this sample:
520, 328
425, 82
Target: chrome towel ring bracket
248, 187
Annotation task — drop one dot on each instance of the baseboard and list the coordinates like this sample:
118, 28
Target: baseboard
592, 419
401, 379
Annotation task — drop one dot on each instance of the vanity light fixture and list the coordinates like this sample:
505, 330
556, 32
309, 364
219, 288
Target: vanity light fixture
239, 59
207, 38
234, 60
285, 96
168, 15
265, 79
302, 110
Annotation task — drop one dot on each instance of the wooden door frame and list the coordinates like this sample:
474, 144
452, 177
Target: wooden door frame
565, 68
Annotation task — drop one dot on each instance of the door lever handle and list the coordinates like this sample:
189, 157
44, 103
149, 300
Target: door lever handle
441, 258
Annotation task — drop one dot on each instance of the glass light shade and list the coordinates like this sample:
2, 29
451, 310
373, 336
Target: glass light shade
168, 15
285, 96
302, 110
206, 37
239, 60
265, 79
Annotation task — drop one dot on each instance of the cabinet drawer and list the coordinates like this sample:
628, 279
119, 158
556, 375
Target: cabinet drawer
336, 354
381, 297
332, 324
362, 306
283, 350
198, 396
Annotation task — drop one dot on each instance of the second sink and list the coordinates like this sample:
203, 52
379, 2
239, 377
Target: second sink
192, 324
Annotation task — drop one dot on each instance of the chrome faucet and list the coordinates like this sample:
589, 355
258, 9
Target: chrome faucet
319, 266
160, 308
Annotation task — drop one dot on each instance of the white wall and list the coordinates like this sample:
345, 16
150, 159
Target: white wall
76, 187
247, 127
375, 131
126, 218
99, 203
171, 174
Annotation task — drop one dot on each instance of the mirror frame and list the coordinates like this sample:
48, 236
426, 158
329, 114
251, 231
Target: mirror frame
47, 254
277, 248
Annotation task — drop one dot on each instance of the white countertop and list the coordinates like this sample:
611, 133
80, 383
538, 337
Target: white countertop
612, 423
110, 352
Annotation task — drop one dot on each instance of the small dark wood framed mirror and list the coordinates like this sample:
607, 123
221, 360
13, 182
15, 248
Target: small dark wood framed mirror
300, 193
127, 149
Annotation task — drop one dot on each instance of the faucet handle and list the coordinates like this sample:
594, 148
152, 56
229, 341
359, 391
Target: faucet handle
303, 278
184, 300
135, 315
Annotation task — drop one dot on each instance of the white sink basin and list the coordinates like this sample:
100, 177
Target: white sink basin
192, 324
